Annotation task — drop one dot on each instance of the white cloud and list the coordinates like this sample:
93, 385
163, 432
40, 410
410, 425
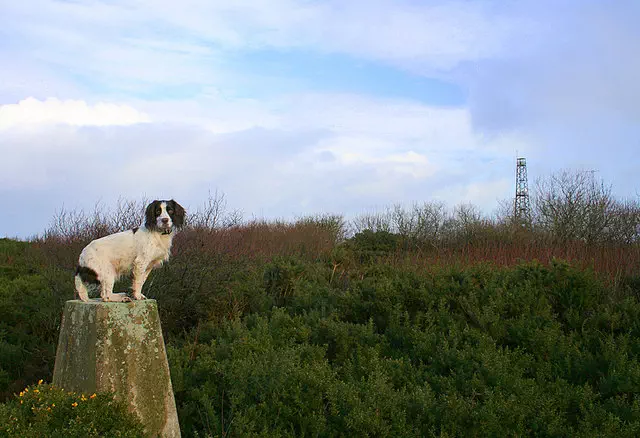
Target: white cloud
482, 194
214, 112
321, 158
385, 156
32, 111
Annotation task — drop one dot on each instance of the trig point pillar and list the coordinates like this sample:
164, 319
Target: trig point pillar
118, 347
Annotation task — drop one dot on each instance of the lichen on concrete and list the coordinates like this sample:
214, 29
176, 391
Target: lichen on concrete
118, 347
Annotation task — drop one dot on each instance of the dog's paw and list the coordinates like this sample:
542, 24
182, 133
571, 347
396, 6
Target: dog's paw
139, 297
117, 298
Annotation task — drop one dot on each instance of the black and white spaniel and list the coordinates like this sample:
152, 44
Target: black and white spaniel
135, 251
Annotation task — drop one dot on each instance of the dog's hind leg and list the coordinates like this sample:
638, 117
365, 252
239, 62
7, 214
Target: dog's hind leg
106, 288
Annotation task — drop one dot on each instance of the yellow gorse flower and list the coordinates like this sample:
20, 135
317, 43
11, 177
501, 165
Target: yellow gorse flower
40, 382
93, 395
74, 404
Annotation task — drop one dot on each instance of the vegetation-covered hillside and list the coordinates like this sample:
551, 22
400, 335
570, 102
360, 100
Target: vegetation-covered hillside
472, 328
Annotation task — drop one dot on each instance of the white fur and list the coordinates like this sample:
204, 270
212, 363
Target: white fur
124, 253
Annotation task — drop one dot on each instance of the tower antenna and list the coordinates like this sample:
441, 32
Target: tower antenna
522, 205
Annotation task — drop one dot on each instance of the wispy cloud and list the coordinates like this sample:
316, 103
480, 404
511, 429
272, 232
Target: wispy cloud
32, 111
129, 45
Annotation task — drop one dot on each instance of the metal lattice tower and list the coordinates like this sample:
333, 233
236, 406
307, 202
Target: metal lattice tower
521, 205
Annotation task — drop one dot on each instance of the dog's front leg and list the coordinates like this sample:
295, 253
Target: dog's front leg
140, 275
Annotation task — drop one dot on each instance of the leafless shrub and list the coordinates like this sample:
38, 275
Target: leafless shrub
463, 224
431, 217
624, 226
374, 221
214, 215
128, 214
573, 206
421, 221
333, 224
78, 225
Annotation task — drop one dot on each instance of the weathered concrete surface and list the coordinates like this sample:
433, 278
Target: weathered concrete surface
118, 347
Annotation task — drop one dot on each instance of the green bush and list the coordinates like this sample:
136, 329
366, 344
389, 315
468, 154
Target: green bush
479, 351
44, 410
30, 313
369, 244
281, 277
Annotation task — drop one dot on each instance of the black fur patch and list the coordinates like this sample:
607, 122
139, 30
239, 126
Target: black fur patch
87, 275
151, 215
135, 229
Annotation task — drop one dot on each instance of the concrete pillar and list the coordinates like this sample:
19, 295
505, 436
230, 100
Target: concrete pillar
118, 347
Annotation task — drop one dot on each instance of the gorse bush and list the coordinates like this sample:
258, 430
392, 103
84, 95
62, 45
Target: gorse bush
376, 242
32, 294
43, 410
481, 351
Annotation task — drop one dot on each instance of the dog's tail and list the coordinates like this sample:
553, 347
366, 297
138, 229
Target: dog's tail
85, 275
81, 289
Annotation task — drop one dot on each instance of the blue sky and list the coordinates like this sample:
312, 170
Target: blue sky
301, 107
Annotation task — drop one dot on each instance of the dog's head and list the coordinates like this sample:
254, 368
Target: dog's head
163, 216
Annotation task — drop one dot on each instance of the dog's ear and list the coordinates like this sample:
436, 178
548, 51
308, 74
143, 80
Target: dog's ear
150, 216
178, 214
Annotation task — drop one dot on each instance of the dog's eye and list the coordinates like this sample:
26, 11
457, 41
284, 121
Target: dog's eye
169, 210
158, 211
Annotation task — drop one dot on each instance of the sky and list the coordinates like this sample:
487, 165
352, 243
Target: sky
291, 108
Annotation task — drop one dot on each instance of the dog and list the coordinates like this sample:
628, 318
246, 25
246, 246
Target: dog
136, 252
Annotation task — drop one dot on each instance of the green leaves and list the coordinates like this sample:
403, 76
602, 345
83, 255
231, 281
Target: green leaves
44, 410
454, 352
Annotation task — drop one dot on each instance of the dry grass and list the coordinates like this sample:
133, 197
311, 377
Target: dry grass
613, 262
431, 236
260, 240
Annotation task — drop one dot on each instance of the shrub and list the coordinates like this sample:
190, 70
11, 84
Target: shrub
534, 350
370, 245
45, 410
29, 319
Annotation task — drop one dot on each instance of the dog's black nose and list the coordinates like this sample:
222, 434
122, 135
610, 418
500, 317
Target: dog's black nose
165, 220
